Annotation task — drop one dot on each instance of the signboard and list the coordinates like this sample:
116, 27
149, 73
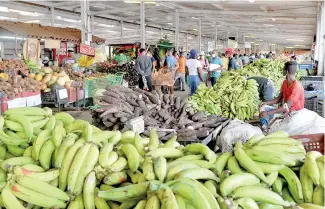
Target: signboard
32, 49
248, 45
87, 50
52, 44
232, 44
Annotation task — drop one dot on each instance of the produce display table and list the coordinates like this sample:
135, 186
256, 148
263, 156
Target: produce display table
24, 99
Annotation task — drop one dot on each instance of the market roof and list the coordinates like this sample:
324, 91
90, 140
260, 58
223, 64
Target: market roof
263, 22
45, 32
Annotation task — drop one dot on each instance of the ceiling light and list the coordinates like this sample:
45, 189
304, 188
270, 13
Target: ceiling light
298, 45
10, 37
252, 42
33, 21
138, 2
291, 39
247, 36
7, 18
71, 20
110, 31
3, 9
24, 13
269, 25
169, 23
150, 32
104, 25
251, 1
127, 29
194, 29
273, 19
288, 47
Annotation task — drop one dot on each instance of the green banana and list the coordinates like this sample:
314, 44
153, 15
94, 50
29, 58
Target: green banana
307, 185
104, 153
42, 187
167, 198
261, 194
15, 150
212, 187
119, 165
26, 111
189, 158
222, 161
247, 203
180, 202
42, 176
87, 166
279, 158
138, 144
294, 184
247, 162
46, 154
68, 141
77, 203
132, 156
278, 185
311, 166
318, 196
310, 206
270, 206
116, 178
76, 166
271, 178
37, 145
154, 140
165, 152
237, 180
33, 168
268, 167
100, 203
36, 198
233, 166
253, 141
153, 203
199, 148
89, 191
50, 123
321, 172
125, 193
57, 135
24, 122
66, 118
3, 151
170, 143
148, 169
66, 163
9, 200
287, 196
179, 168
160, 168
17, 161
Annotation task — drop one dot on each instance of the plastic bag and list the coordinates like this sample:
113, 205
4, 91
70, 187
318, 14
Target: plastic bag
235, 131
300, 122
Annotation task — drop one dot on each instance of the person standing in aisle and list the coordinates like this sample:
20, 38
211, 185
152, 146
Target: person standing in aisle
265, 88
157, 57
175, 55
245, 60
216, 72
238, 61
225, 61
232, 61
180, 74
194, 69
292, 95
171, 60
153, 60
144, 68
204, 61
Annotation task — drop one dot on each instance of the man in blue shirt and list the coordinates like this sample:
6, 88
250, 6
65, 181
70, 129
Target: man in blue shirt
232, 61
216, 72
171, 60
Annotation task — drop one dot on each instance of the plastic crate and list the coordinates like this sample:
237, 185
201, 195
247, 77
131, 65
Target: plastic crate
93, 84
312, 142
318, 81
53, 97
311, 104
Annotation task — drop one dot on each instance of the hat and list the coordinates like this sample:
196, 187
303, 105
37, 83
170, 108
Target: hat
70, 50
202, 54
193, 53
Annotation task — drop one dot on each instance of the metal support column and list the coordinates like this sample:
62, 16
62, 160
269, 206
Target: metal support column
86, 36
199, 35
52, 16
142, 25
161, 33
321, 62
122, 35
177, 29
216, 39
186, 42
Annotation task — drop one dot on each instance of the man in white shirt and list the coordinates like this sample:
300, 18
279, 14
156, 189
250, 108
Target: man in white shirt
194, 70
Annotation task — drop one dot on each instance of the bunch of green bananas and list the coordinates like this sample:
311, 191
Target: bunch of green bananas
67, 163
233, 96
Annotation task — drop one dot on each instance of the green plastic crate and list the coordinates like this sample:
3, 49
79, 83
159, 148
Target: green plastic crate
94, 84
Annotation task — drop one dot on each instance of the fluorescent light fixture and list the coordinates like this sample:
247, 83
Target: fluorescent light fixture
3, 9
247, 36
110, 31
288, 47
58, 17
71, 20
152, 32
169, 23
24, 13
105, 25
299, 45
252, 42
138, 2
190, 38
298, 40
7, 18
11, 37
273, 19
251, 1
194, 29
269, 25
33, 21
127, 29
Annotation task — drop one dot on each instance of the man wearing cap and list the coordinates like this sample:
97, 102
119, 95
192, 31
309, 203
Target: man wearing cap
217, 65
232, 61
70, 59
292, 95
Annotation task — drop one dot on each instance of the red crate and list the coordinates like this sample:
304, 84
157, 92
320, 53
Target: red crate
312, 142
29, 94
72, 97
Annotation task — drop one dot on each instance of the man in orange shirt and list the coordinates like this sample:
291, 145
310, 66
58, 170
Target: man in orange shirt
181, 70
292, 95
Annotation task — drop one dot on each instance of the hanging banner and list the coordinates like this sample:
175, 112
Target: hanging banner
248, 45
32, 49
52, 44
87, 50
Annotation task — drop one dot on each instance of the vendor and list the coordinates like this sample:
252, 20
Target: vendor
265, 88
292, 95
215, 73
121, 58
70, 59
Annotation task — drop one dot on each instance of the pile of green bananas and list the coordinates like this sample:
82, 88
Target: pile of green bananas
233, 96
67, 163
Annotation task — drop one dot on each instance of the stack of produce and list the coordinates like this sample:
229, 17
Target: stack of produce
13, 65
120, 104
54, 161
131, 75
12, 87
232, 96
